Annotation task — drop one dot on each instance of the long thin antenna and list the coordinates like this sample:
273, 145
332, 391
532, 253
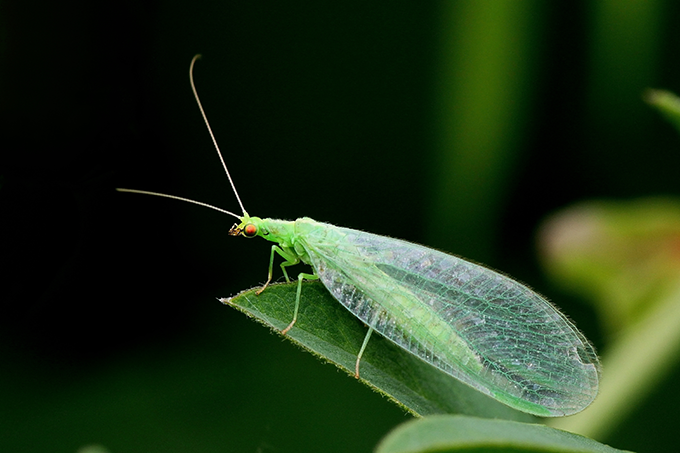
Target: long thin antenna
144, 192
205, 118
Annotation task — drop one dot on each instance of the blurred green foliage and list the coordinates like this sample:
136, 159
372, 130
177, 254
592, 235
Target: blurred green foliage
457, 124
623, 257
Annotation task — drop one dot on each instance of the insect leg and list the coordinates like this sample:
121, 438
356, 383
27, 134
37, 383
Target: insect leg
361, 352
290, 259
301, 277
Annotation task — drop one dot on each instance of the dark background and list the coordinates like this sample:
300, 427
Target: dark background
458, 124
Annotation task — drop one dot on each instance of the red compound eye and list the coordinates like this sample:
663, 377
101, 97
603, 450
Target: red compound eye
249, 230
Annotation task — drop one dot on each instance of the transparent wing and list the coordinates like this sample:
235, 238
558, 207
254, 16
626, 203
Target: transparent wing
475, 324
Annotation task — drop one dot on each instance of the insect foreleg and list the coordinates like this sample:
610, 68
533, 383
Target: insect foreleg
290, 259
301, 276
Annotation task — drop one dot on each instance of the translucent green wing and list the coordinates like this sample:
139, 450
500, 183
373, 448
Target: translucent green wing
475, 324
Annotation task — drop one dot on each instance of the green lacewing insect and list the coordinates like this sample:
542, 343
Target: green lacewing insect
477, 325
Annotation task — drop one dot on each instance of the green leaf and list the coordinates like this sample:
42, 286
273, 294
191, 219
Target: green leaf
328, 330
449, 433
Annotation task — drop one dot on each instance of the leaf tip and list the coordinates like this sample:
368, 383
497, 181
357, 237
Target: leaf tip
225, 300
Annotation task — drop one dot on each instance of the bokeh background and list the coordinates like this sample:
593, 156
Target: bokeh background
457, 124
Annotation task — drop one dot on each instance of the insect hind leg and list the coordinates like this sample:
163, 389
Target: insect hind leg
361, 352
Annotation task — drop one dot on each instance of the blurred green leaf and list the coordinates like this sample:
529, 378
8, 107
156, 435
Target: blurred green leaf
329, 331
461, 433
623, 255
667, 103
94, 448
